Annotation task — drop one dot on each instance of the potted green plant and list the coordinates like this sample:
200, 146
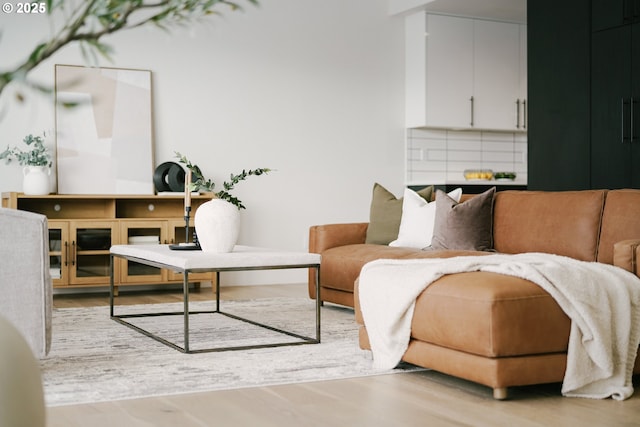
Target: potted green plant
36, 162
200, 183
218, 220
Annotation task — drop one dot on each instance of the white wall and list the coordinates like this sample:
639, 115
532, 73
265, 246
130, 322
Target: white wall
313, 89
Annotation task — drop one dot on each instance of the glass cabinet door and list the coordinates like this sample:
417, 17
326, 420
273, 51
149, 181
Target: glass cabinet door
59, 252
89, 251
141, 233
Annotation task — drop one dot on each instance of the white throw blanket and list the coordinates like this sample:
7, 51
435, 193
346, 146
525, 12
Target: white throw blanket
602, 301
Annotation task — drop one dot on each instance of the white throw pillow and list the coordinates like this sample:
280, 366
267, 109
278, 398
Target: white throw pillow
418, 219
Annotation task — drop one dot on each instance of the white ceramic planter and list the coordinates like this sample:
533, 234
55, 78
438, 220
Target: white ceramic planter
217, 226
36, 180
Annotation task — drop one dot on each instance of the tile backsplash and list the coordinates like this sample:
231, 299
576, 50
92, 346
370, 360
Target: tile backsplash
439, 156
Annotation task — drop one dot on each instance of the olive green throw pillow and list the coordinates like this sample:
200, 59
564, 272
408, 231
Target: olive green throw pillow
385, 214
464, 226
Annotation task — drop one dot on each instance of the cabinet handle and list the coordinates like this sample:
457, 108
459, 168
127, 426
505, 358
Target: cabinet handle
624, 128
631, 119
472, 102
524, 114
73, 253
66, 253
517, 113
622, 121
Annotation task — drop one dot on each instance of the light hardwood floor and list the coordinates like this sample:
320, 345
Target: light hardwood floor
413, 399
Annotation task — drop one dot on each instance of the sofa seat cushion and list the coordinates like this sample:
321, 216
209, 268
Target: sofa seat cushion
490, 315
341, 265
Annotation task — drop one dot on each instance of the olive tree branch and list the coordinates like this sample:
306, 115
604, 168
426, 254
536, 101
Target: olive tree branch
89, 21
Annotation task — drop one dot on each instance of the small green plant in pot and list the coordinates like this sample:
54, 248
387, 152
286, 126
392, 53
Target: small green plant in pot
37, 155
218, 220
36, 162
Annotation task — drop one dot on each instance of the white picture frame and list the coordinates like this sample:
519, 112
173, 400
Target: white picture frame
104, 134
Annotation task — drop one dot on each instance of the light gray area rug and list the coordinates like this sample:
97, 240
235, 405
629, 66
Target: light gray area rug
94, 358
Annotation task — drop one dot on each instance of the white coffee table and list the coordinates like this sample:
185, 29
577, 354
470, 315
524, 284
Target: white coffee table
242, 258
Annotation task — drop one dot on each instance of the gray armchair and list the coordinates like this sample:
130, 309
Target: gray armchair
25, 280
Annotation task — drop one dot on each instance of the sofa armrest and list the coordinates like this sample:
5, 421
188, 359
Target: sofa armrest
625, 254
25, 278
323, 237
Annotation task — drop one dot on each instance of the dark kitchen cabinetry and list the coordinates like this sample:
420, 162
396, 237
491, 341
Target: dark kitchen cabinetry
613, 13
559, 84
584, 94
615, 107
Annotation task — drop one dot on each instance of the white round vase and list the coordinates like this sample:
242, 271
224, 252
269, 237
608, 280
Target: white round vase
217, 226
36, 180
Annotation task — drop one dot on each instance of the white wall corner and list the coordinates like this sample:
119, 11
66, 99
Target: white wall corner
399, 7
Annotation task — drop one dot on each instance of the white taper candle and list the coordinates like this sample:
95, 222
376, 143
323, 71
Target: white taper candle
187, 189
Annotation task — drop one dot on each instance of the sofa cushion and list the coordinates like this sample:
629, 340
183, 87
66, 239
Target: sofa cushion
341, 265
562, 223
418, 219
466, 225
491, 315
620, 221
385, 214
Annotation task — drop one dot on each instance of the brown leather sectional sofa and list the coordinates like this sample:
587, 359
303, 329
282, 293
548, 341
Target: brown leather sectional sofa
496, 330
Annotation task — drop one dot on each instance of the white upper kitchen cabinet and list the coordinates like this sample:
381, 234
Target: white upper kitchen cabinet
439, 71
463, 73
522, 94
496, 83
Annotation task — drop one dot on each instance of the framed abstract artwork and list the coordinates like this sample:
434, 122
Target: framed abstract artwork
104, 132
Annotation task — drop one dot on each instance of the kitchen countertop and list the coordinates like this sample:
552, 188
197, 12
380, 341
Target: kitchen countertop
515, 182
486, 182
